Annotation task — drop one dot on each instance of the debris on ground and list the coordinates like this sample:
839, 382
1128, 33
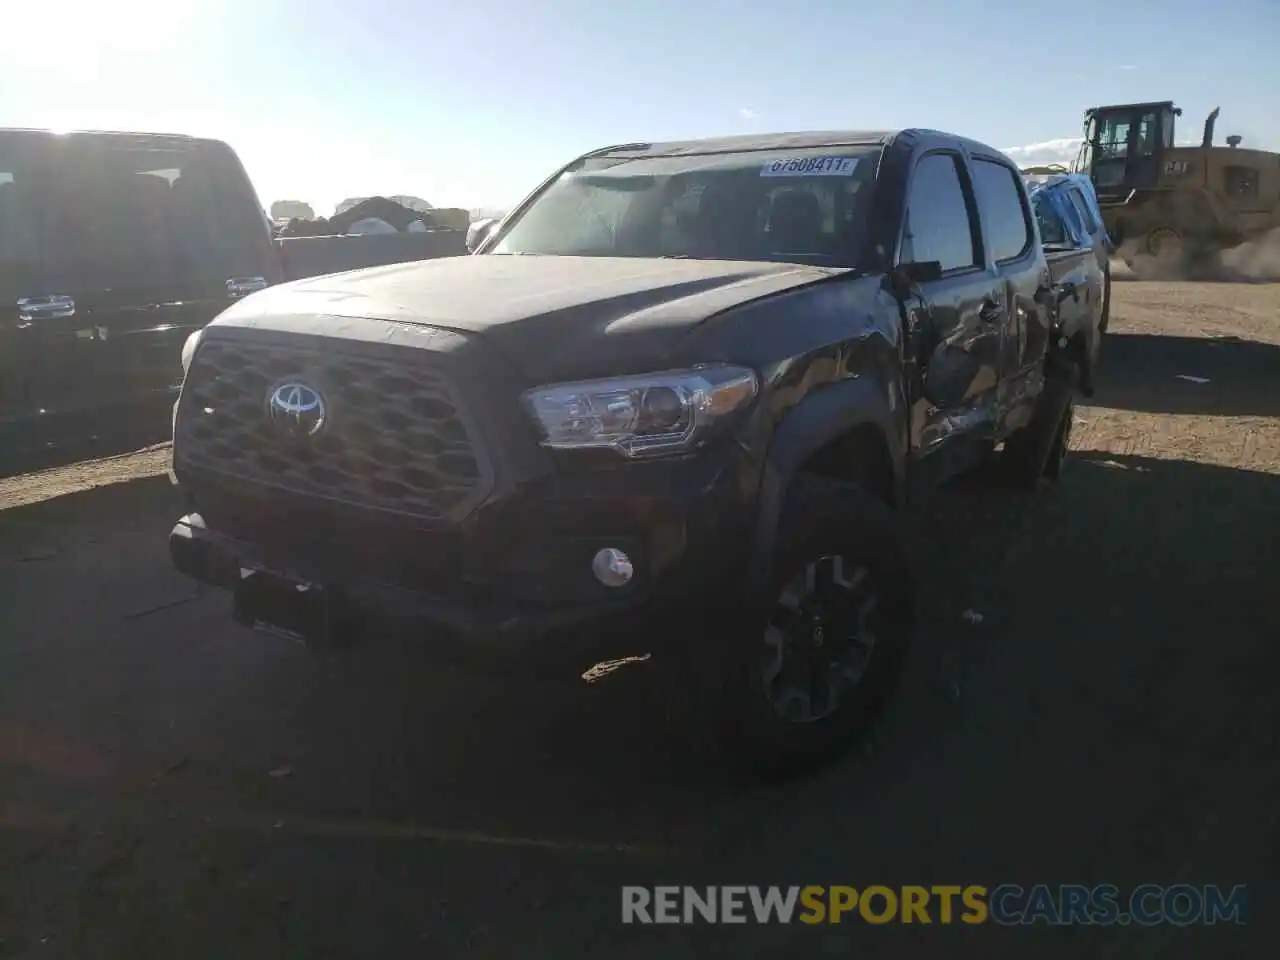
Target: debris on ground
607, 668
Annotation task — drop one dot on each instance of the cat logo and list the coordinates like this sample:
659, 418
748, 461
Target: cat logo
1176, 168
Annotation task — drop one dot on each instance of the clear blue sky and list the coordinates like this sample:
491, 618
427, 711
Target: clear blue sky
472, 102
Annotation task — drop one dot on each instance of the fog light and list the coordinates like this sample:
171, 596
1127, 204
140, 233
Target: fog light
612, 567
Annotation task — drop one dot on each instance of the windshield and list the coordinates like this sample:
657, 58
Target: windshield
801, 206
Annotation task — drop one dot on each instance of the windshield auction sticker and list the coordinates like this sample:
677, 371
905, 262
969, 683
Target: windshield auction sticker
811, 167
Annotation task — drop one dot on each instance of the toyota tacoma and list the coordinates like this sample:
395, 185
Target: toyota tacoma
673, 402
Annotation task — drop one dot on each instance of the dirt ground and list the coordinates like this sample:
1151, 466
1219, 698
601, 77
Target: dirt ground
173, 786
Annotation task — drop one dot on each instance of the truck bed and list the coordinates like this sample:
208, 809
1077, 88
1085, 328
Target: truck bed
1078, 313
1067, 263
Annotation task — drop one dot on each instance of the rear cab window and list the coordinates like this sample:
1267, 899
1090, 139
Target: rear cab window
1004, 212
152, 213
1052, 231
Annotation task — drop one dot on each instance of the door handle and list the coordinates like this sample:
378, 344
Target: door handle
991, 311
32, 309
238, 287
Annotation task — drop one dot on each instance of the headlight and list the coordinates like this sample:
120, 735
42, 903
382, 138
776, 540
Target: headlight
189, 350
641, 416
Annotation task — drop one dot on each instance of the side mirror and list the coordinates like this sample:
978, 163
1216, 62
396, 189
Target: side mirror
479, 232
907, 275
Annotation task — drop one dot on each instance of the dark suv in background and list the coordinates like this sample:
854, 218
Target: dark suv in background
113, 248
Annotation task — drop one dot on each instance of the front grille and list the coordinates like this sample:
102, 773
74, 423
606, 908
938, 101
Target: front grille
393, 438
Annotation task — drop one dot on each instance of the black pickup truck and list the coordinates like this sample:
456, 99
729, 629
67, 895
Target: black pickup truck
113, 248
672, 404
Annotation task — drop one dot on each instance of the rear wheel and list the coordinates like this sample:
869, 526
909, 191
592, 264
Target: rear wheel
1037, 453
1106, 301
1060, 449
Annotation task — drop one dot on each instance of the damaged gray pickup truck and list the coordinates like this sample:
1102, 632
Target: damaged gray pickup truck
673, 404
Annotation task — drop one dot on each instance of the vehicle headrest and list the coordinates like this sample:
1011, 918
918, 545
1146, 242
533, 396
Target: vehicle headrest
795, 213
725, 218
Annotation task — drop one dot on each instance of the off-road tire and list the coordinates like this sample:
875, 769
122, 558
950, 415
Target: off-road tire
820, 518
1034, 456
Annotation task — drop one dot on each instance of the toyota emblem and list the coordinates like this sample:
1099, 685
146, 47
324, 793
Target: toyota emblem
297, 409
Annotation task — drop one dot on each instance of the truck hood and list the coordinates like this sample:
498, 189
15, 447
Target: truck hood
553, 317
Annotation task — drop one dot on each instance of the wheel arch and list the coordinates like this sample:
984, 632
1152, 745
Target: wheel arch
852, 432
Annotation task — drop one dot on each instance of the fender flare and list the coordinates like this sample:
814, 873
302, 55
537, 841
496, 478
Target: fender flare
821, 417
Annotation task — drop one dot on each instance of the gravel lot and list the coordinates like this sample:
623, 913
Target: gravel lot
173, 786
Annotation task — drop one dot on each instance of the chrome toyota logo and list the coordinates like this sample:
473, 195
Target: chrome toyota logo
297, 408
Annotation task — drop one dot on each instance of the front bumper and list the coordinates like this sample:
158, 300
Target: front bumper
514, 583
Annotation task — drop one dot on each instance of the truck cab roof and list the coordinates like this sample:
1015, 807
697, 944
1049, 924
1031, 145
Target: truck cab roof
800, 140
120, 134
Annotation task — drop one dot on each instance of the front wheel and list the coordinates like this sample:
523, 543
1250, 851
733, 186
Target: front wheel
817, 653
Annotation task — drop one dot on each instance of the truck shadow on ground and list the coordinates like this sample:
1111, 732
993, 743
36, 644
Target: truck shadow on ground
1122, 644
1098, 556
84, 441
1144, 372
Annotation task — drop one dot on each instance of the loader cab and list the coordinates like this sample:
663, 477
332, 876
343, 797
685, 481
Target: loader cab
1123, 146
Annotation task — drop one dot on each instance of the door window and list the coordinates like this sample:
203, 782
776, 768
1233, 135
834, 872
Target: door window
939, 225
1004, 214
1113, 137
1147, 141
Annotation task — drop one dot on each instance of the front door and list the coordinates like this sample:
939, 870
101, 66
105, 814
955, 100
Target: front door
1143, 167
959, 328
1128, 151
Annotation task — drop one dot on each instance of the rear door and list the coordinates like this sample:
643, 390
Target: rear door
24, 302
1014, 255
147, 239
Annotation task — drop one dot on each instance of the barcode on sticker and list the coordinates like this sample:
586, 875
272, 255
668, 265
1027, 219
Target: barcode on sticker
811, 167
